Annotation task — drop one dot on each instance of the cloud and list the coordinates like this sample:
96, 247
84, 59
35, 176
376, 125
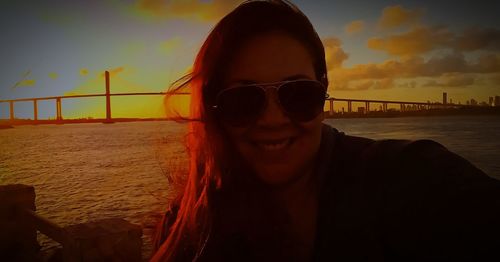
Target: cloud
487, 63
362, 85
397, 16
451, 80
417, 41
424, 39
354, 27
416, 67
451, 63
26, 83
334, 53
494, 79
409, 84
53, 75
422, 56
187, 9
477, 38
384, 83
449, 70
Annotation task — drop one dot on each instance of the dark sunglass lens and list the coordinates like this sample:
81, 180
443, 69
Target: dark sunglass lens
302, 100
240, 105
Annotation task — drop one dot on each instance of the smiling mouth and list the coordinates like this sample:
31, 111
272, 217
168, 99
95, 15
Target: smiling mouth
274, 145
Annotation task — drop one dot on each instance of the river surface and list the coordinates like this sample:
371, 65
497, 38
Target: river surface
85, 172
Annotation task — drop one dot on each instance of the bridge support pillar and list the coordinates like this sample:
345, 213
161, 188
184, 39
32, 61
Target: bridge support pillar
58, 109
367, 106
35, 109
11, 110
384, 107
108, 98
349, 106
331, 106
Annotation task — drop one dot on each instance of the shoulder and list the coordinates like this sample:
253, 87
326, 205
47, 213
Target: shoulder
420, 169
398, 156
425, 200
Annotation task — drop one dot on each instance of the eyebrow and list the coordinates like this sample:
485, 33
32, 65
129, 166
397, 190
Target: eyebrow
249, 82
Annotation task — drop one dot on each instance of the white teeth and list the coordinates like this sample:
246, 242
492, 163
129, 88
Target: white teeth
274, 145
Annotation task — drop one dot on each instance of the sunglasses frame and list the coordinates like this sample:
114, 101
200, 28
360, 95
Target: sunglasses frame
265, 87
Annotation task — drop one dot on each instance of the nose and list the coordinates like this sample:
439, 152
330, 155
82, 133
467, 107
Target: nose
273, 114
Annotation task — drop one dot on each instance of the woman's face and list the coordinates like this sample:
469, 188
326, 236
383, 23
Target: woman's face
278, 149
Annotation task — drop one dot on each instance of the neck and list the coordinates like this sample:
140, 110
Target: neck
304, 187
300, 201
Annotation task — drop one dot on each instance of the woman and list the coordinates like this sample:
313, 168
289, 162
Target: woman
269, 182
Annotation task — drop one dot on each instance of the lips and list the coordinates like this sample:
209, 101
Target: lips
274, 145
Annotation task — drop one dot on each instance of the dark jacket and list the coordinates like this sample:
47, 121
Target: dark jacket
397, 200
393, 200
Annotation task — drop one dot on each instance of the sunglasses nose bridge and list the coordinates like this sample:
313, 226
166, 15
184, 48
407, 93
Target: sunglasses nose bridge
272, 94
272, 111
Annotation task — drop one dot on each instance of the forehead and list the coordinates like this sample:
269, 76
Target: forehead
270, 58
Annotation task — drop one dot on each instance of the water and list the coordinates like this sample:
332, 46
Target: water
85, 172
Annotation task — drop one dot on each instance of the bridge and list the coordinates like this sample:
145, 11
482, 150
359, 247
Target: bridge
403, 105
58, 102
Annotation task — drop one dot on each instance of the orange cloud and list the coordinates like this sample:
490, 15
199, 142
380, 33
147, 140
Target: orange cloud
358, 85
190, 9
423, 39
396, 16
354, 27
417, 41
425, 56
334, 53
450, 70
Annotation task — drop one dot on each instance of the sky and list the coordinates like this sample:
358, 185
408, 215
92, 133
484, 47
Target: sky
386, 50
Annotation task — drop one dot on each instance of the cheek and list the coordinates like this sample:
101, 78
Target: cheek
311, 136
237, 136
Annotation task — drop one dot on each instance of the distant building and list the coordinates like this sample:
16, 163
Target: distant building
473, 102
445, 98
497, 100
361, 110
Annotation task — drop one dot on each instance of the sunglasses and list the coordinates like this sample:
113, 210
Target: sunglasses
241, 105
